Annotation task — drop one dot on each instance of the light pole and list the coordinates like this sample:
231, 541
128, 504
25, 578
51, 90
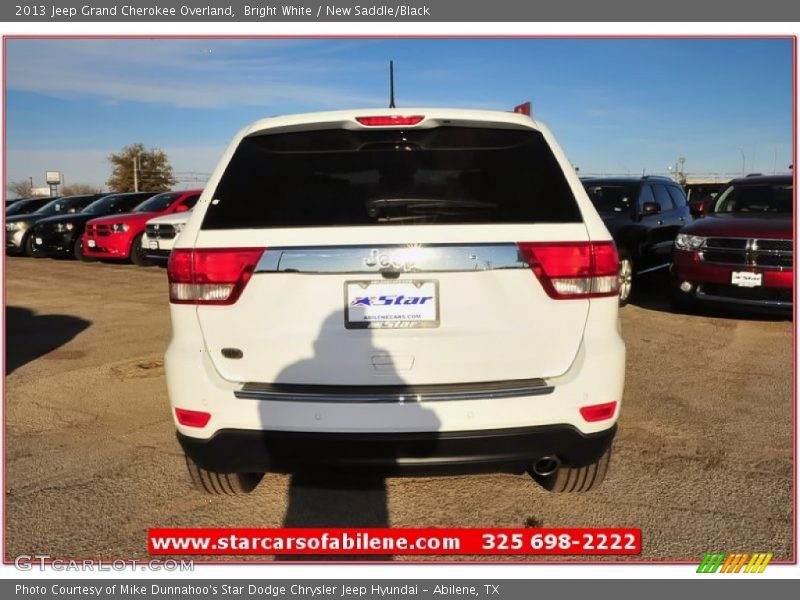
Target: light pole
743, 161
135, 172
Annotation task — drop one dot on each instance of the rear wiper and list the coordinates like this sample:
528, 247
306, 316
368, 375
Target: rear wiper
375, 205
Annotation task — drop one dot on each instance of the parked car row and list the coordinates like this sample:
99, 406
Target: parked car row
738, 251
88, 227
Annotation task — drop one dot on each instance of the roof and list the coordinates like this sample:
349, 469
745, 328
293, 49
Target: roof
761, 179
433, 117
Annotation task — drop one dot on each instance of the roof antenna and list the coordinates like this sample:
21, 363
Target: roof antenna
391, 84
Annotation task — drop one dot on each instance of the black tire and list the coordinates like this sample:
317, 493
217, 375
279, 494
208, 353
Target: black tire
576, 479
230, 484
77, 251
28, 246
137, 253
626, 268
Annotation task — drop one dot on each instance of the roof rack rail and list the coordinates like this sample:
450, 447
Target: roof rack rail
662, 177
754, 175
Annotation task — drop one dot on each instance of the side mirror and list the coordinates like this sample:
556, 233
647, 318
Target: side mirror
651, 208
181, 208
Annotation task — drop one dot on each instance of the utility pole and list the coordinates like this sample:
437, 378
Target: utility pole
135, 173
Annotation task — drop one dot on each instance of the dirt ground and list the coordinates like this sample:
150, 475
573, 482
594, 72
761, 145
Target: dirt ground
702, 461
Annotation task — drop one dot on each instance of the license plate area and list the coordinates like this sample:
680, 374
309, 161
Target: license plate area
153, 244
381, 304
91, 243
746, 279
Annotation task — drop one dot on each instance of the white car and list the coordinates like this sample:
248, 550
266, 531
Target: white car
418, 290
160, 234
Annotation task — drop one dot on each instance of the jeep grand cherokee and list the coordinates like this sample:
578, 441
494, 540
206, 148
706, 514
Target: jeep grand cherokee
402, 290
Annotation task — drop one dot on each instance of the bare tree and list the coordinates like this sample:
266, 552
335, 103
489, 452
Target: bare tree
134, 166
77, 189
21, 188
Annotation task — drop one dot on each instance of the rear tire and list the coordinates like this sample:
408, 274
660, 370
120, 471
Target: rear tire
576, 479
77, 251
137, 253
230, 484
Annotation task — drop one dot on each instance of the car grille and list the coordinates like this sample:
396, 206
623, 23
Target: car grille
97, 230
748, 252
161, 232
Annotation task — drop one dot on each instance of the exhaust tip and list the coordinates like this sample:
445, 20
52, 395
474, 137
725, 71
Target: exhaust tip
547, 465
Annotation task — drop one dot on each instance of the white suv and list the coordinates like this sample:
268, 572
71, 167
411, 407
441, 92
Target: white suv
403, 290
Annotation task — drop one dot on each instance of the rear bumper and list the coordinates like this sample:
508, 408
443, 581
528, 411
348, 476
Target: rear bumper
500, 450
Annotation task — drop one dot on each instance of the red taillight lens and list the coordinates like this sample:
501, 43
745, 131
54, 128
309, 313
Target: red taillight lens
574, 269
389, 120
210, 275
192, 418
599, 412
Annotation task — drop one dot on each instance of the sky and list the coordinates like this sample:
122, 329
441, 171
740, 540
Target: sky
621, 106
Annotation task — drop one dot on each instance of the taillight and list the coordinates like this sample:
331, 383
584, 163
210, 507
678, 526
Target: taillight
574, 269
210, 275
389, 120
598, 412
192, 418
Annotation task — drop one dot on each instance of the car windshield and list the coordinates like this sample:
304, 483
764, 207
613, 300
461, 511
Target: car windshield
611, 198
25, 207
65, 205
158, 203
755, 198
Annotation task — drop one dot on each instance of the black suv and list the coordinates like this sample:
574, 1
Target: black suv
643, 215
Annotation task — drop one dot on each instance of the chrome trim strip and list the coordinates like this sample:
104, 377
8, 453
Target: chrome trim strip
394, 394
651, 269
411, 258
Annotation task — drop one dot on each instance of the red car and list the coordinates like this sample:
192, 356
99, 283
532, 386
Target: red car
120, 236
741, 254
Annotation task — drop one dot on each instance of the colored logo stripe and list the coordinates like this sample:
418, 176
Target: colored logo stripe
734, 563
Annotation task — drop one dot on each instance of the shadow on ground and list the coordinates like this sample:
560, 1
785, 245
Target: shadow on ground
29, 336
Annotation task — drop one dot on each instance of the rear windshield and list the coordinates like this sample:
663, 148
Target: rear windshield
612, 198
392, 177
755, 198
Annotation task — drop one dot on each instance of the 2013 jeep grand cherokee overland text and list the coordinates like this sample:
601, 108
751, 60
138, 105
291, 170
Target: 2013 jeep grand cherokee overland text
423, 290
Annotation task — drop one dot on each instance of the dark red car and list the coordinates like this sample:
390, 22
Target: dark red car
741, 253
120, 236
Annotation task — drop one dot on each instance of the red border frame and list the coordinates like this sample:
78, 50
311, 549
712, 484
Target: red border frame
627, 561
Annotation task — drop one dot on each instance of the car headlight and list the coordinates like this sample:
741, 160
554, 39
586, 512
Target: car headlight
12, 226
120, 227
689, 242
62, 227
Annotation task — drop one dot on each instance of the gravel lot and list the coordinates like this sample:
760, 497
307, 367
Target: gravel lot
703, 459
